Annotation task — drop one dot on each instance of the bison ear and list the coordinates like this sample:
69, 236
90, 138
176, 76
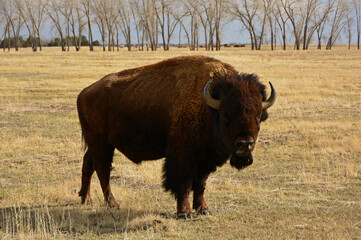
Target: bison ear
264, 115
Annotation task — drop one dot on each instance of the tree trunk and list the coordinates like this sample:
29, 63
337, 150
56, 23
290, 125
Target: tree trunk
16, 40
252, 41
319, 40
284, 41
218, 40
117, 39
90, 35
329, 43
5, 30
305, 36
138, 39
180, 34
39, 39
109, 41
129, 42
9, 38
272, 38
62, 42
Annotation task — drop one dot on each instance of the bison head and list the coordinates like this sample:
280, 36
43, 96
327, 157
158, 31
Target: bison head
238, 106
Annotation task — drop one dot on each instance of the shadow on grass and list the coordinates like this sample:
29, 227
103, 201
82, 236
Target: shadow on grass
77, 219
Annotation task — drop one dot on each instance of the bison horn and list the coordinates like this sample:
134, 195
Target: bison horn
271, 100
210, 101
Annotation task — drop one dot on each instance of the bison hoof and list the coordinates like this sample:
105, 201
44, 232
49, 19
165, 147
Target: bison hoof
201, 211
205, 212
112, 204
184, 216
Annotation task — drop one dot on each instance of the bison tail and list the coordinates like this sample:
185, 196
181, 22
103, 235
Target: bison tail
83, 142
83, 125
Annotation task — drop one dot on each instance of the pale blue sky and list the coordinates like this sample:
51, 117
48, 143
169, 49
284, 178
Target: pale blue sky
233, 32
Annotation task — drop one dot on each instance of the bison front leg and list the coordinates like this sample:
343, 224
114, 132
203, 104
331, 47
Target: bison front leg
177, 178
199, 204
184, 210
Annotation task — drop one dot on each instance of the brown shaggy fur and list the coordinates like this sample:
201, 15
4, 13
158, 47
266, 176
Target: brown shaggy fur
159, 111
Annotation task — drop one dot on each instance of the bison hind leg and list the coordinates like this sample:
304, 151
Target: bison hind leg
102, 164
98, 158
87, 172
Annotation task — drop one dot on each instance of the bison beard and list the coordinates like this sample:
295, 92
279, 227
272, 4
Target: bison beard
172, 110
241, 162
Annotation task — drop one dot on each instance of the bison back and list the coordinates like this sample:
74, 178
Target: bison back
148, 111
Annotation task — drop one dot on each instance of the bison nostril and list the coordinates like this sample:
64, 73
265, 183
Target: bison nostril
250, 145
244, 144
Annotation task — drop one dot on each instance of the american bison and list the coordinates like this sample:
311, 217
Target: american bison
195, 111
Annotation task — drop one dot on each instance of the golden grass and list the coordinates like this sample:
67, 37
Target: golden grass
305, 181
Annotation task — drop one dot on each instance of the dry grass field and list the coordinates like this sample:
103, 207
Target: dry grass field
305, 182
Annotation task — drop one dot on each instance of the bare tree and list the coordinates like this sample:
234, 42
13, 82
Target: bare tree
138, 23
321, 19
281, 18
357, 7
191, 29
14, 20
124, 10
318, 17
97, 8
245, 15
150, 23
54, 13
87, 11
250, 13
164, 13
110, 15
2, 20
5, 20
219, 15
211, 21
32, 12
145, 10
338, 22
105, 12
348, 29
270, 6
265, 14
293, 10
65, 7
139, 19
77, 23
203, 11
307, 12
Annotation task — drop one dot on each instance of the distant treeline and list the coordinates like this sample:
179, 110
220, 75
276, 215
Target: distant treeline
201, 22
56, 42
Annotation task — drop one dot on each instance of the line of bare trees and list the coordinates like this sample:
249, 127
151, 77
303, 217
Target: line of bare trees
153, 23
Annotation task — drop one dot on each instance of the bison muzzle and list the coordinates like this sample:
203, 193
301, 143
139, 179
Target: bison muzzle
195, 111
